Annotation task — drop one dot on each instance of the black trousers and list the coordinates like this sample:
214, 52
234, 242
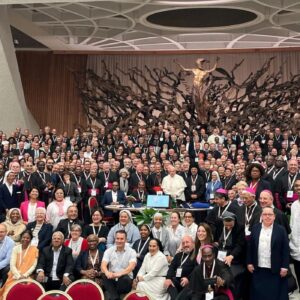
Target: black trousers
115, 288
3, 274
297, 271
54, 285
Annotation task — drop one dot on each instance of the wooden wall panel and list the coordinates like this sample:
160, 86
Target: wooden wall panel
50, 90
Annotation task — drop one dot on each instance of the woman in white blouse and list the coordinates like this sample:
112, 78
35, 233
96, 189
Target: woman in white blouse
57, 209
151, 276
190, 227
176, 232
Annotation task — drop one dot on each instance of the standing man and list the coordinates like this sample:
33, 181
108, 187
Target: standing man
295, 234
117, 265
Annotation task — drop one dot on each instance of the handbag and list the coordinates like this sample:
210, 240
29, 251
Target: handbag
292, 283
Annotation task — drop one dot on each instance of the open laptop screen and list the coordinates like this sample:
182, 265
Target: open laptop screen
158, 201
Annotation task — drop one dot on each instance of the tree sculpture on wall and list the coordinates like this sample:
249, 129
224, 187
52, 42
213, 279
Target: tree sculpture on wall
159, 95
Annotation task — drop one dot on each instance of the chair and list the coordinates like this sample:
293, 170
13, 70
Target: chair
25, 289
85, 289
55, 295
92, 203
137, 295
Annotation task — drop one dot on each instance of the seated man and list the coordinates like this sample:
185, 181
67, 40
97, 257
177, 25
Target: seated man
6, 246
113, 197
181, 267
55, 264
139, 195
117, 265
211, 279
65, 225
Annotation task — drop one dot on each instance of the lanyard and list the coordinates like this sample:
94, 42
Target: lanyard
42, 177
270, 170
226, 236
275, 174
86, 176
194, 181
141, 250
248, 216
106, 176
141, 195
93, 183
94, 230
291, 183
212, 270
219, 212
253, 186
69, 186
93, 260
139, 177
184, 260
78, 181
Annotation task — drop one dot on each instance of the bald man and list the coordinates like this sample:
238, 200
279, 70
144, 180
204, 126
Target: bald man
6, 246
181, 267
55, 265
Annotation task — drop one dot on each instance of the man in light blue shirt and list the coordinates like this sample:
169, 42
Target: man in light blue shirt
6, 246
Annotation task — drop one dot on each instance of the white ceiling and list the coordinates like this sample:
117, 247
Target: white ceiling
123, 25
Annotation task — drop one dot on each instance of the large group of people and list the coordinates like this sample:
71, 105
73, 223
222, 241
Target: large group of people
237, 232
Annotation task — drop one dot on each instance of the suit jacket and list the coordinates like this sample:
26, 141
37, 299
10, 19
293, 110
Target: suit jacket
255, 219
7, 200
111, 177
200, 189
279, 248
65, 224
107, 198
261, 186
24, 208
65, 261
44, 235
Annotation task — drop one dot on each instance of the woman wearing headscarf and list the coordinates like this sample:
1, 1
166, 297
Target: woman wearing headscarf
15, 225
8, 194
125, 223
212, 186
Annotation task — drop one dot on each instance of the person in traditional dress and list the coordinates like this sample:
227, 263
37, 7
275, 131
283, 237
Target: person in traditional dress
151, 276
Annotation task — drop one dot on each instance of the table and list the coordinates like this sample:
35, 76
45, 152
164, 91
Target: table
138, 209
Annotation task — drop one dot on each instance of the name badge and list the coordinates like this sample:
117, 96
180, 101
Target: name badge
211, 196
193, 188
209, 296
178, 272
290, 194
79, 189
34, 241
247, 231
161, 139
263, 141
68, 198
196, 159
222, 255
106, 184
159, 193
242, 144
20, 157
94, 192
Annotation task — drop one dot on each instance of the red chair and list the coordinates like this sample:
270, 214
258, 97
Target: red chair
137, 295
25, 289
85, 289
55, 295
92, 203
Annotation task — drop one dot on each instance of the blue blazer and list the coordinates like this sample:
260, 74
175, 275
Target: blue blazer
107, 198
7, 200
212, 189
44, 235
279, 248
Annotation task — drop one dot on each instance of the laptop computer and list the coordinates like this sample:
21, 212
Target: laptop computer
158, 201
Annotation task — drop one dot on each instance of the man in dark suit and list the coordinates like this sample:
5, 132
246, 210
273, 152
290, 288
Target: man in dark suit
8, 195
115, 196
184, 261
106, 177
136, 177
55, 264
64, 225
195, 190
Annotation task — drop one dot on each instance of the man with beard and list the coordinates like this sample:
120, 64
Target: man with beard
181, 267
